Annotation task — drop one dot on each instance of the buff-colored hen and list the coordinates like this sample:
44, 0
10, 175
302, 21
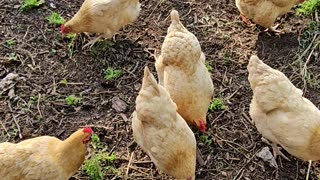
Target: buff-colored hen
264, 12
102, 16
182, 71
281, 114
161, 132
44, 157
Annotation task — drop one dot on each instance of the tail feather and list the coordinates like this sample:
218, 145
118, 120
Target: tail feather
153, 100
175, 17
149, 82
176, 24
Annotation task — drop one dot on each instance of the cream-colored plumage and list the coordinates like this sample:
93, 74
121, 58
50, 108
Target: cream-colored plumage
182, 71
43, 158
264, 12
161, 132
281, 114
103, 16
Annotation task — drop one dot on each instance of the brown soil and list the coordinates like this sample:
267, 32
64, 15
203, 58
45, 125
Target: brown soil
44, 59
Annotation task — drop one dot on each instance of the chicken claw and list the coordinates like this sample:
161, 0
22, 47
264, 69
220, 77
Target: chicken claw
246, 20
92, 42
275, 148
276, 152
273, 29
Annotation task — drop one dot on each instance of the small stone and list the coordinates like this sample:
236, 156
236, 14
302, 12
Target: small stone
119, 105
224, 173
267, 156
52, 5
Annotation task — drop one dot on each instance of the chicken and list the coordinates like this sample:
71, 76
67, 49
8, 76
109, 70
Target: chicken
182, 71
264, 12
281, 114
161, 132
44, 157
102, 16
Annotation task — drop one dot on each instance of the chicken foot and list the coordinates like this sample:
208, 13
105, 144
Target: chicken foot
92, 42
246, 20
273, 29
275, 149
276, 152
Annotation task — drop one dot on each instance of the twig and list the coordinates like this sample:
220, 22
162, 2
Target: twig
97, 126
308, 172
240, 171
199, 157
39, 97
15, 120
247, 118
5, 129
132, 167
129, 164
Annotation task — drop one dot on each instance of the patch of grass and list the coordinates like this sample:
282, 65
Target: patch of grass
13, 57
72, 100
55, 18
209, 67
110, 74
99, 163
100, 48
206, 139
308, 7
71, 36
11, 42
33, 100
30, 4
64, 82
217, 104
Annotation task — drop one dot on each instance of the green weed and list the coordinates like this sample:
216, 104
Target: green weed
206, 139
13, 57
72, 100
71, 36
30, 4
110, 74
99, 163
11, 42
308, 7
209, 67
64, 82
217, 104
55, 18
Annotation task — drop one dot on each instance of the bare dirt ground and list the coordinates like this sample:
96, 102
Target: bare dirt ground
43, 59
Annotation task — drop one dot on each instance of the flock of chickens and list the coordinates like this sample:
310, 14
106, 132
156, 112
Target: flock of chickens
181, 97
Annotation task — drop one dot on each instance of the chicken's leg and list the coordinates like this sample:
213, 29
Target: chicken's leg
276, 152
275, 148
92, 42
273, 29
246, 20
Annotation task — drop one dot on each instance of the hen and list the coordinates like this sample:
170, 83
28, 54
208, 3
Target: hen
281, 114
182, 71
44, 157
161, 132
102, 16
264, 12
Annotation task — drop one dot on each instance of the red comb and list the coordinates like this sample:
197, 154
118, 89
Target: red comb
202, 126
62, 28
87, 130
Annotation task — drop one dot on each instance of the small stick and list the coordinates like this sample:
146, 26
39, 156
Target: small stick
129, 164
40, 114
15, 120
308, 172
199, 157
5, 129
